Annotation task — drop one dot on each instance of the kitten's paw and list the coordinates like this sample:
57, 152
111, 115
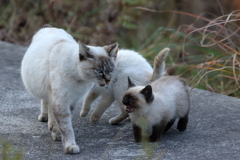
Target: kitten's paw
83, 113
154, 139
182, 124
71, 149
43, 117
95, 119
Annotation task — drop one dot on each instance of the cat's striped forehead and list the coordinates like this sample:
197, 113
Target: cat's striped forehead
104, 63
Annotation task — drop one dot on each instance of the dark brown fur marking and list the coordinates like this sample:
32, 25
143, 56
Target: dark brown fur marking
182, 123
169, 125
137, 132
130, 100
109, 48
147, 92
130, 83
157, 131
84, 56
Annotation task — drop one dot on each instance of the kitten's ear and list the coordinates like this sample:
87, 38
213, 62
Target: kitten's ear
130, 84
84, 52
147, 92
112, 50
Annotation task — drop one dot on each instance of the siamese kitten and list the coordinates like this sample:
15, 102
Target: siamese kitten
154, 108
128, 63
55, 69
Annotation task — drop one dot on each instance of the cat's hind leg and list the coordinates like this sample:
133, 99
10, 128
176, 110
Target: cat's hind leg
182, 123
52, 125
157, 131
63, 116
90, 97
169, 125
104, 103
43, 117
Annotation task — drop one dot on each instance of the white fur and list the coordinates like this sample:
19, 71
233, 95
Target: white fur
128, 64
52, 71
171, 100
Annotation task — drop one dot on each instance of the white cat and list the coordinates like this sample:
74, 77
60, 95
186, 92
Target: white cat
55, 69
128, 63
154, 108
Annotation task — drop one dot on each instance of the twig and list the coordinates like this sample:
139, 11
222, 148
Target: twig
221, 10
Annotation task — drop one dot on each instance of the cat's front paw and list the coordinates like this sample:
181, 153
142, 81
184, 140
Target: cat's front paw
71, 149
52, 126
43, 117
154, 138
83, 113
95, 118
113, 121
56, 136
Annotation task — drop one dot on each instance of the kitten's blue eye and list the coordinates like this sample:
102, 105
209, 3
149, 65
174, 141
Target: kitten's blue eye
98, 70
110, 70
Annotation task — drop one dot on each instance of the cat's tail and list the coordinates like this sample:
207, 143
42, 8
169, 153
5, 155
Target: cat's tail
46, 26
159, 64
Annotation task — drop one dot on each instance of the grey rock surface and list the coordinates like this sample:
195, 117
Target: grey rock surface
213, 131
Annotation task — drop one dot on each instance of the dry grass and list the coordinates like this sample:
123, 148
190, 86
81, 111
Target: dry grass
207, 56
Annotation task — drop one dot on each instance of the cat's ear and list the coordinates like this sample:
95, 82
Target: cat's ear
112, 50
84, 52
130, 84
147, 92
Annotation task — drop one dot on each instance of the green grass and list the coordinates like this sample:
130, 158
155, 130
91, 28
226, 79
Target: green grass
207, 57
8, 152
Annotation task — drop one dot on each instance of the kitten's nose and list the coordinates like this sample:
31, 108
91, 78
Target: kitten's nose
125, 101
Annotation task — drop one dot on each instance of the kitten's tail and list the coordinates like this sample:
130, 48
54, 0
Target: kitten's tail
159, 64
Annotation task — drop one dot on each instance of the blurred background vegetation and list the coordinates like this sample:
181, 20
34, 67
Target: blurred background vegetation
203, 34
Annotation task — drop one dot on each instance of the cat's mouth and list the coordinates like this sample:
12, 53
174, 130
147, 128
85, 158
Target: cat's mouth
129, 109
104, 84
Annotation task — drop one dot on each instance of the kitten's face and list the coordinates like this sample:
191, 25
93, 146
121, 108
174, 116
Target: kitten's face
137, 97
97, 64
132, 101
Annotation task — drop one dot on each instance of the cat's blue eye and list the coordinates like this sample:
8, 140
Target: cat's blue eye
98, 70
111, 70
